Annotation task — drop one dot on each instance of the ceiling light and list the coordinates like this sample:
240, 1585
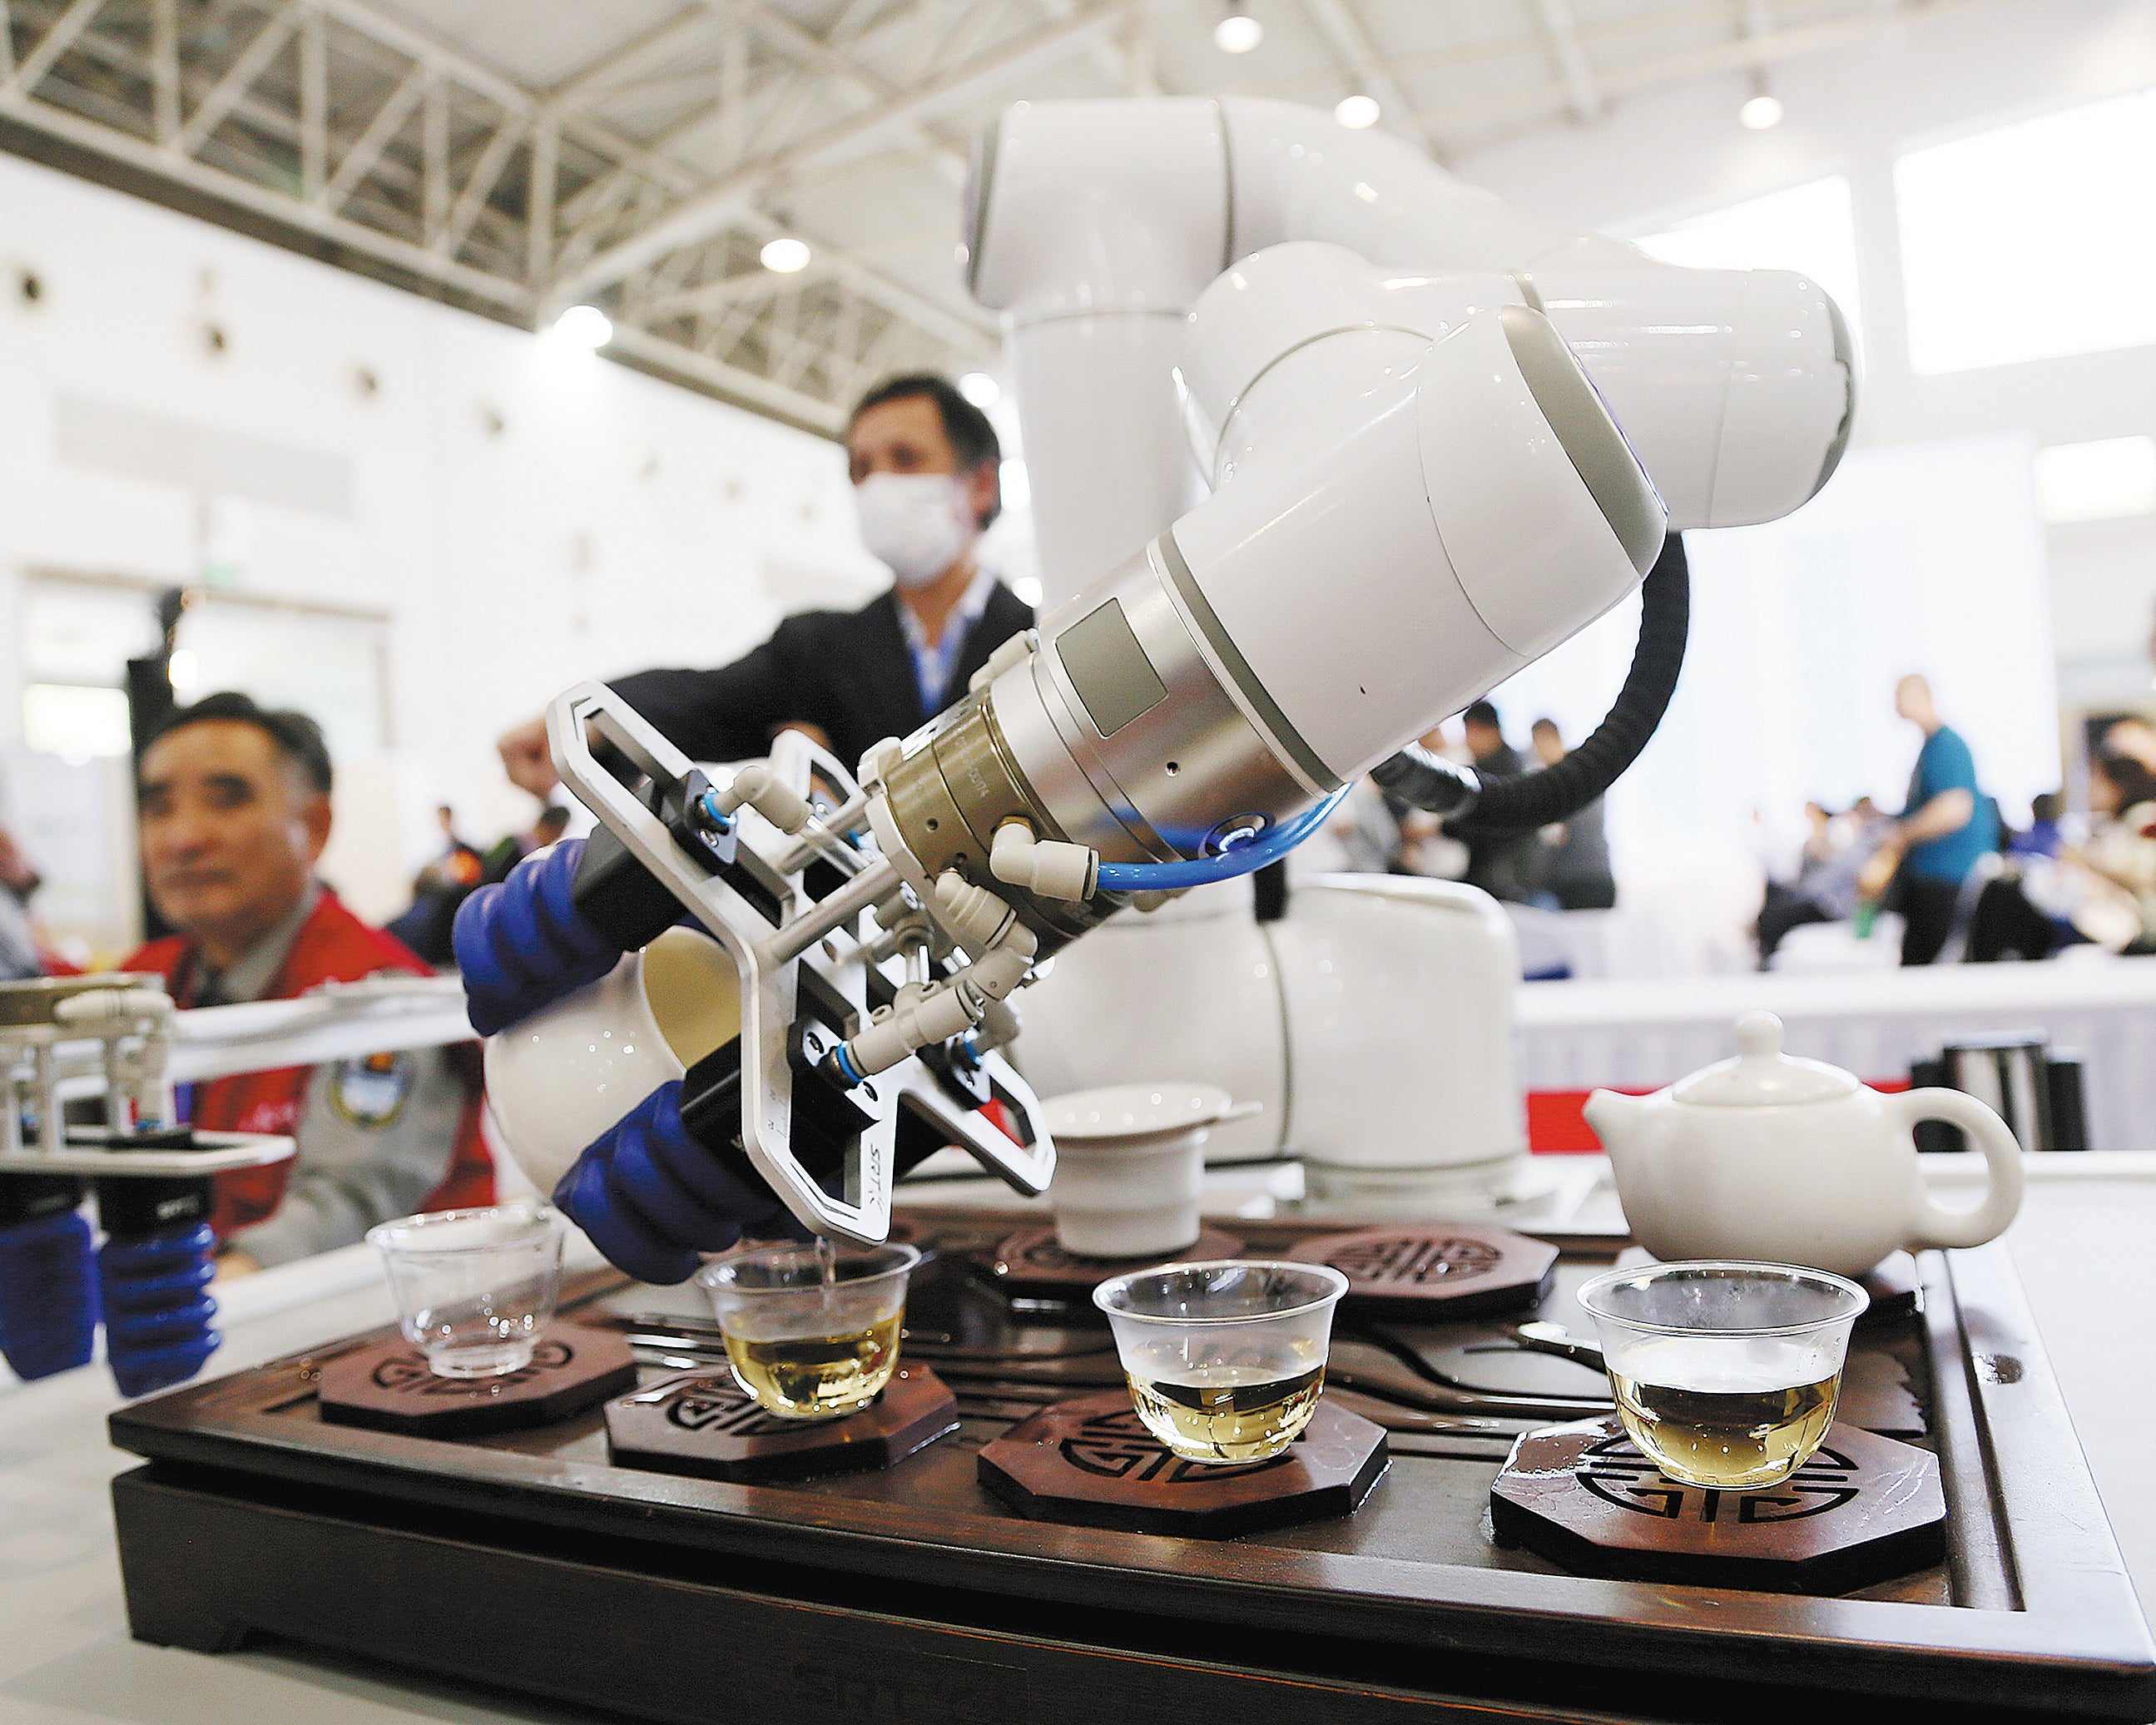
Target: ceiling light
785, 254
981, 389
1357, 113
584, 326
182, 670
1238, 32
1761, 111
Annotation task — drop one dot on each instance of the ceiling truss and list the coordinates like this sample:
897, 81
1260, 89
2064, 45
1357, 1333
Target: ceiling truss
646, 179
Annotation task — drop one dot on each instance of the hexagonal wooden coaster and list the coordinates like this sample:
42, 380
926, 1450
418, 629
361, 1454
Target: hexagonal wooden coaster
389, 1386
1031, 1265
1092, 1461
702, 1423
1429, 1271
1863, 1509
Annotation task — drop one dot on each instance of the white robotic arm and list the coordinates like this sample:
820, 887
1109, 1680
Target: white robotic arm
1098, 226
1451, 508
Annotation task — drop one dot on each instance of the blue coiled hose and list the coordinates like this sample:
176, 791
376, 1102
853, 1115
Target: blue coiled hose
1245, 858
652, 1195
157, 1310
48, 1293
521, 944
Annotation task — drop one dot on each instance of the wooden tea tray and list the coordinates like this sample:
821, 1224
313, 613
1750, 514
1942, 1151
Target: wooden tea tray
525, 1560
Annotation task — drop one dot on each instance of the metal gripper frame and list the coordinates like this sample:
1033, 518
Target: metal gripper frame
812, 970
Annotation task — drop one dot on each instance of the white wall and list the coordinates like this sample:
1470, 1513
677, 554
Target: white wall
1930, 79
613, 522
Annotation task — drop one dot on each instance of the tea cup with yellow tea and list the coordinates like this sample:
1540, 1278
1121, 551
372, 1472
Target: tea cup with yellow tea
1725, 1373
1225, 1359
811, 1334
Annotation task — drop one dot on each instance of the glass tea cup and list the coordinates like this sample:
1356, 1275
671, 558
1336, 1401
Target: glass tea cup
1725, 1373
806, 1347
1225, 1358
473, 1288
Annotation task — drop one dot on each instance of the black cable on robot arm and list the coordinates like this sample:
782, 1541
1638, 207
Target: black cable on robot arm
1474, 802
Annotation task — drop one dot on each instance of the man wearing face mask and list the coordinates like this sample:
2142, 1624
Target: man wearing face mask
924, 461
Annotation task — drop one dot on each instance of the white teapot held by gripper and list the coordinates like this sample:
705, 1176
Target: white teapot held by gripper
1770, 1158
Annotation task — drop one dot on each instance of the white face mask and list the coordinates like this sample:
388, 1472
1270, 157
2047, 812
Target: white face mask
918, 523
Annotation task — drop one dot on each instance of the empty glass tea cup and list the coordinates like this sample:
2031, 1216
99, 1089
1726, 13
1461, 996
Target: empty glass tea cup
811, 1336
473, 1288
1225, 1358
1725, 1373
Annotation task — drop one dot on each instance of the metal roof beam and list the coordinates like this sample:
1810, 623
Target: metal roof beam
712, 207
806, 48
253, 62
594, 81
1736, 56
54, 43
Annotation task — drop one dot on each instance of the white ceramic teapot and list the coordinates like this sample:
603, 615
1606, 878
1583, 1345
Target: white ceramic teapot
1770, 1158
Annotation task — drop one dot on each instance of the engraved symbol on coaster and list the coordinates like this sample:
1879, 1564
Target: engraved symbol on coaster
1615, 1471
409, 1374
702, 1423
719, 1404
388, 1386
1117, 1446
1862, 1509
1416, 1257
1440, 1270
1091, 1461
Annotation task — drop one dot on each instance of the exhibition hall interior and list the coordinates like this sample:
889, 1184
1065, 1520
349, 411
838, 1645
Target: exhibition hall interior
1082, 859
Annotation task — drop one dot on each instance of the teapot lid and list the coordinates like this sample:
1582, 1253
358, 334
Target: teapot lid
1762, 1074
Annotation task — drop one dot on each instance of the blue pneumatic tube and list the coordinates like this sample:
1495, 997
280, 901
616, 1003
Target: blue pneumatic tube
47, 1275
154, 1272
1245, 858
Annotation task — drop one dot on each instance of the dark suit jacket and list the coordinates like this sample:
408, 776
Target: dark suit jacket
1510, 864
848, 672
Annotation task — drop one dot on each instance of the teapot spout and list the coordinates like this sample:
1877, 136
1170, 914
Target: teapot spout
1617, 1120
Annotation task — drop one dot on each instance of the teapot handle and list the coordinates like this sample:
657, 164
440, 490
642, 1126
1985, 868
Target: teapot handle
2002, 1151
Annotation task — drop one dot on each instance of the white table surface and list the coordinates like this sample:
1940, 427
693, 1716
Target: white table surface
2082, 1244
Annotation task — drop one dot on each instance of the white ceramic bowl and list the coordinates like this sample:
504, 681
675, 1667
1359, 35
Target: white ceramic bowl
563, 1076
1130, 1162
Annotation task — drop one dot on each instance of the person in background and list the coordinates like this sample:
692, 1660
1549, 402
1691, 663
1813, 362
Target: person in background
21, 955
552, 822
1948, 824
458, 863
1576, 871
1836, 853
2120, 856
926, 465
233, 806
440, 887
2133, 738
1509, 864
2043, 837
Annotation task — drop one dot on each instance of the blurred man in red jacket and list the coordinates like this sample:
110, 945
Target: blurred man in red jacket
234, 810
